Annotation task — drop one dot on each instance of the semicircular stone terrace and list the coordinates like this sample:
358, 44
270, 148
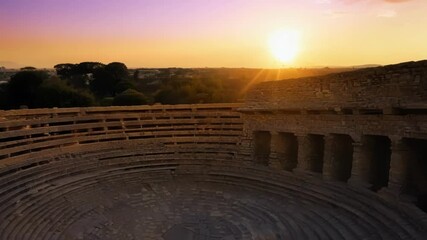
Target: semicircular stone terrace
225, 171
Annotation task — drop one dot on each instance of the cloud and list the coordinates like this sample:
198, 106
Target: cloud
387, 13
355, 1
324, 1
335, 14
396, 1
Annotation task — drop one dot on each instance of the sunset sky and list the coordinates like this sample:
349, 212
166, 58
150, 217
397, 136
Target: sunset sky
211, 33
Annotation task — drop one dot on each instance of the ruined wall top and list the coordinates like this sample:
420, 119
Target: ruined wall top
402, 85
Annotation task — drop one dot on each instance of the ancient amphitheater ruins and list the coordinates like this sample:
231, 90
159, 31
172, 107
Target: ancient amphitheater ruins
342, 156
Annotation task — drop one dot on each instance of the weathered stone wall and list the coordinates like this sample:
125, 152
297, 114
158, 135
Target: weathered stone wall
380, 114
396, 86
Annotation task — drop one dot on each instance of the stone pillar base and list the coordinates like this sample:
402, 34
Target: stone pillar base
303, 172
274, 162
276, 166
394, 194
359, 183
300, 171
328, 177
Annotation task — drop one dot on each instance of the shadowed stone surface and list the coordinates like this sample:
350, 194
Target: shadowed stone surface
178, 210
130, 207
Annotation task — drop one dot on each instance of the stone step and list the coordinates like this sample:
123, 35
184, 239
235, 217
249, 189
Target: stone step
386, 229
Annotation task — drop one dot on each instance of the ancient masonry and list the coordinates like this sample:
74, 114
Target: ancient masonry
342, 156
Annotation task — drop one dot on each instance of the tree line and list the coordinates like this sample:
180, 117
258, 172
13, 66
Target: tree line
97, 84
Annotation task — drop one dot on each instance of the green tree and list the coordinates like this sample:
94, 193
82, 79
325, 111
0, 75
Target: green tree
55, 93
79, 81
118, 71
129, 97
124, 85
171, 95
136, 75
4, 96
105, 79
28, 68
88, 67
78, 75
65, 70
23, 86
103, 83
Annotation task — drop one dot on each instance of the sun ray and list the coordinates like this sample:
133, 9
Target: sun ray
278, 74
251, 82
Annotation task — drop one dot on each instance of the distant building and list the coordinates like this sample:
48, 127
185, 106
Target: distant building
5, 74
146, 73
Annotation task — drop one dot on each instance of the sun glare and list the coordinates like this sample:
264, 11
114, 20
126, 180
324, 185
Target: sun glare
284, 45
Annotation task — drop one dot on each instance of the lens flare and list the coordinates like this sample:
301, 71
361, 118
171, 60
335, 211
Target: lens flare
284, 45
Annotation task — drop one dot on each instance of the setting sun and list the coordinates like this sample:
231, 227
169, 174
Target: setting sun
284, 45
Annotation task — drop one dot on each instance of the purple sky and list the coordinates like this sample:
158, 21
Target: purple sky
208, 32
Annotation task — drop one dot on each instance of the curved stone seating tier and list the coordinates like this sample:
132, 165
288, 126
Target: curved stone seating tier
291, 211
28, 131
310, 208
142, 173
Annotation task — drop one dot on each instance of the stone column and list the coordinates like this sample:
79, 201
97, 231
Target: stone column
400, 157
304, 150
274, 161
361, 166
329, 158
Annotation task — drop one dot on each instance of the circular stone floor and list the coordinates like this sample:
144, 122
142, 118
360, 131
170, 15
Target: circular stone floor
181, 210
133, 206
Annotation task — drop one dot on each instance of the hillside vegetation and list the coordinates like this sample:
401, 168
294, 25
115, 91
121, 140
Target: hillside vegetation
98, 84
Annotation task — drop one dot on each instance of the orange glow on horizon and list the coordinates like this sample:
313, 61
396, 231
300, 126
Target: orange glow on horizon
213, 34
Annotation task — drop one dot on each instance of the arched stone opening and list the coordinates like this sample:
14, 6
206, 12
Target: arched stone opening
310, 153
338, 157
287, 151
416, 177
316, 154
262, 141
379, 153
